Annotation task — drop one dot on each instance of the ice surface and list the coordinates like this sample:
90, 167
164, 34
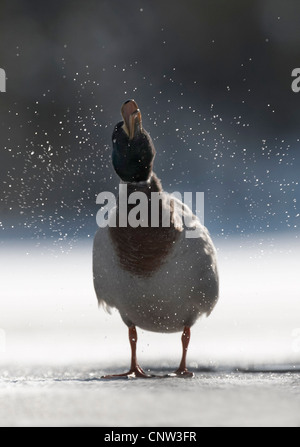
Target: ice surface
55, 343
49, 312
76, 397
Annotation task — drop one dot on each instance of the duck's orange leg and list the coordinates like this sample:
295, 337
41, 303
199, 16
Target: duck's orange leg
135, 370
182, 371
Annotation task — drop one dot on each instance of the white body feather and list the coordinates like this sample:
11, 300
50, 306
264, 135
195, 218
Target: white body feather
184, 287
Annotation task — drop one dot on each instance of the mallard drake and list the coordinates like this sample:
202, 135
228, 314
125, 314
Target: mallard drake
157, 278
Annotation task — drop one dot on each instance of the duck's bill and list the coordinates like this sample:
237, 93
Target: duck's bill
132, 118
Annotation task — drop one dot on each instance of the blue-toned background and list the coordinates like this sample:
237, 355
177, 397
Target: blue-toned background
213, 81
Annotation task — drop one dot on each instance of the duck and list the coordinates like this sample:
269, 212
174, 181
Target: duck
157, 278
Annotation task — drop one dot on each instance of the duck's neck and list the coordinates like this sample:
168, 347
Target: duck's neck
144, 199
153, 184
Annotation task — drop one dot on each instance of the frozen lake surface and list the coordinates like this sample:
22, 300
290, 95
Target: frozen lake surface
55, 344
75, 396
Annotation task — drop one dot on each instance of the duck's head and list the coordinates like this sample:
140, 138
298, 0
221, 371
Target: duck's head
133, 150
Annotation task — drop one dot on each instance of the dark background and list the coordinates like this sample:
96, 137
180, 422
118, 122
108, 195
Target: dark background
212, 79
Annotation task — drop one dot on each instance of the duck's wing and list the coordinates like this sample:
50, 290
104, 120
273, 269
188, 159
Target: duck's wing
104, 266
198, 258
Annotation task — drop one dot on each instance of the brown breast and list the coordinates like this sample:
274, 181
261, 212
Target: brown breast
142, 250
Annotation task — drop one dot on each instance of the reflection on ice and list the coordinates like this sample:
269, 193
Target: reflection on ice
49, 313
